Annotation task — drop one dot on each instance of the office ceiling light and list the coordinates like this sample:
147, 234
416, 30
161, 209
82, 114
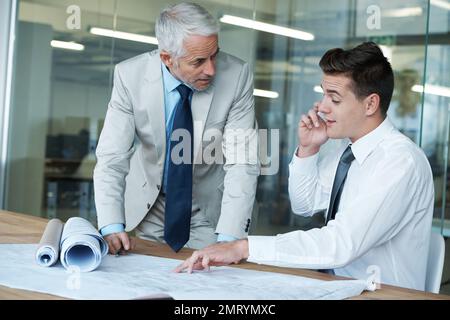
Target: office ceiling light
266, 27
265, 94
404, 12
66, 45
431, 89
441, 4
318, 89
123, 35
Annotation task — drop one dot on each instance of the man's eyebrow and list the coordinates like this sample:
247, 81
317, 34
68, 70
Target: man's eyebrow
333, 91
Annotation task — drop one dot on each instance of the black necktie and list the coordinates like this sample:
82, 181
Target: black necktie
178, 207
339, 180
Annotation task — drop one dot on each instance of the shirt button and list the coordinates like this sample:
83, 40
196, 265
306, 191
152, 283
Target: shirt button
148, 205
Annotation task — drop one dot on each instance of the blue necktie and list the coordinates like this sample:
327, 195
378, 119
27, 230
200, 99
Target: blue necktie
178, 207
339, 180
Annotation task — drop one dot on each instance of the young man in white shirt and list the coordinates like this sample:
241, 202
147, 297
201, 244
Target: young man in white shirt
377, 185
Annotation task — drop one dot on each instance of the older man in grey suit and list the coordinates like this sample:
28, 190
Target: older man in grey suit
142, 180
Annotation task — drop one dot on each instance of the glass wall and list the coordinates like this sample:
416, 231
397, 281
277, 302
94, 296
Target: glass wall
60, 95
436, 104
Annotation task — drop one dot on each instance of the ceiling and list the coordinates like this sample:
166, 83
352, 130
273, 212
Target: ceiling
275, 57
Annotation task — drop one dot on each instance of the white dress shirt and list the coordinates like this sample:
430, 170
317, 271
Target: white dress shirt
383, 222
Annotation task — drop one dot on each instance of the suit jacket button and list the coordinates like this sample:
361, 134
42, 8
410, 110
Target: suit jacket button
158, 186
248, 220
246, 229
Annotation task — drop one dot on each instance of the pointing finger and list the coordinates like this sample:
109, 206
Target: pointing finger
192, 260
205, 262
180, 267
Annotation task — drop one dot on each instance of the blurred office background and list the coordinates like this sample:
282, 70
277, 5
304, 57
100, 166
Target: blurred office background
56, 80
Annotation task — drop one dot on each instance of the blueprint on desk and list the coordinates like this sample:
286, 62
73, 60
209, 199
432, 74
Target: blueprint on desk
135, 276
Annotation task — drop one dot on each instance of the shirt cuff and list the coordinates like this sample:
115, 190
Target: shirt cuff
225, 238
261, 248
112, 228
304, 165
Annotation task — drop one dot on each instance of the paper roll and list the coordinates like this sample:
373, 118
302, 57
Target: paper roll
47, 252
82, 246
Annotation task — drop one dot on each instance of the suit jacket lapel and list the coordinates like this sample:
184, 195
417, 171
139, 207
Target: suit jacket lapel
154, 99
201, 103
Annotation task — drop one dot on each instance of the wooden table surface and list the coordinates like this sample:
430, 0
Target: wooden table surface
20, 228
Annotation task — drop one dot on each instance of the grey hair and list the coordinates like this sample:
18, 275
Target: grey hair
179, 21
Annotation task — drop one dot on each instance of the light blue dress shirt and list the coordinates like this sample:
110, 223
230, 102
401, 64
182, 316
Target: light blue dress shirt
171, 98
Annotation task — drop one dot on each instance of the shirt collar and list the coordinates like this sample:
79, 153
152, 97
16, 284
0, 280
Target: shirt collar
170, 82
365, 145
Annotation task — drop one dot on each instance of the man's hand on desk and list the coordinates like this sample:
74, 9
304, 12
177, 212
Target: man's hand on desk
119, 241
218, 254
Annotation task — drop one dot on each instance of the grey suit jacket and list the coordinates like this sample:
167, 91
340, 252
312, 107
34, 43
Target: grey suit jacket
131, 149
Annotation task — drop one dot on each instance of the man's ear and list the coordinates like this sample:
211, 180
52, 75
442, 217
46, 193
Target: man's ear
166, 58
372, 104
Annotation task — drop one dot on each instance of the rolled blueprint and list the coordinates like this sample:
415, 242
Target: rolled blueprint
82, 246
47, 252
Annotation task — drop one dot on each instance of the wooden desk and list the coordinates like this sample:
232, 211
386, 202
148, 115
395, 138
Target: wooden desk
20, 228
